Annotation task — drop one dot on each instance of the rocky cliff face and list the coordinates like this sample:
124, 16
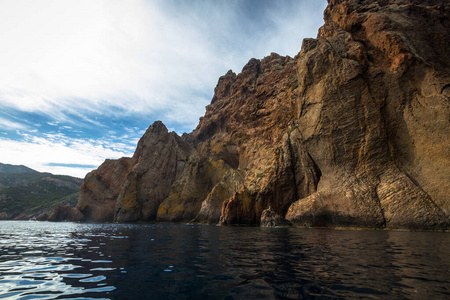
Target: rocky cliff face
353, 131
132, 189
374, 115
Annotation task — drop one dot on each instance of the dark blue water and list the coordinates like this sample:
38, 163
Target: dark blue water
41, 260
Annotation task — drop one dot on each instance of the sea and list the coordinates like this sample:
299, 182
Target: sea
45, 260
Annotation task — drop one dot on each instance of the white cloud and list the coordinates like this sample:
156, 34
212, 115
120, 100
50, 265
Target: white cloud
57, 50
45, 154
135, 56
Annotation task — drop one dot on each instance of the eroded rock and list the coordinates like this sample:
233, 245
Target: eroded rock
361, 121
353, 131
63, 213
270, 218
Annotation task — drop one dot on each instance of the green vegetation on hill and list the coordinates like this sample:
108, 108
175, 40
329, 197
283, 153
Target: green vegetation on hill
25, 193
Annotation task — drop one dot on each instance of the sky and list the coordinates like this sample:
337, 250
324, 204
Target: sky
81, 80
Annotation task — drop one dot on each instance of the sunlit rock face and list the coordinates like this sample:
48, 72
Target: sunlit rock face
353, 131
374, 113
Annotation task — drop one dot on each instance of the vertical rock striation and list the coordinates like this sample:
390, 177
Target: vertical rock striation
353, 131
375, 115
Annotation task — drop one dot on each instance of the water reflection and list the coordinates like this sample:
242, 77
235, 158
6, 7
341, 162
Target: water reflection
38, 261
63, 260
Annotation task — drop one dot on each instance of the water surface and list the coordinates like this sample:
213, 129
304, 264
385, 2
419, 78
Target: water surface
43, 260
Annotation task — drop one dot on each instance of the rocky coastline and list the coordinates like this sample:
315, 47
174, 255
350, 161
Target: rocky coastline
354, 131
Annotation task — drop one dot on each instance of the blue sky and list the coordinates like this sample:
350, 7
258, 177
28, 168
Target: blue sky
81, 80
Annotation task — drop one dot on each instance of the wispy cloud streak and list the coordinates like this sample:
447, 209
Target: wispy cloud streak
60, 154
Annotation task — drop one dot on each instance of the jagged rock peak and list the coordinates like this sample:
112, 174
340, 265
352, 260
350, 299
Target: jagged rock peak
251, 70
223, 86
154, 134
157, 126
236, 93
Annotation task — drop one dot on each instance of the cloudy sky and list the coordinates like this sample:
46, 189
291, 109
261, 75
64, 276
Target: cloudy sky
81, 80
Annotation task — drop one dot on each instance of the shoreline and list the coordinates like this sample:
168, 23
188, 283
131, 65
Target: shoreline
337, 228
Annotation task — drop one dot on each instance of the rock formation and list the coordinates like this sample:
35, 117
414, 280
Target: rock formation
132, 189
270, 218
353, 131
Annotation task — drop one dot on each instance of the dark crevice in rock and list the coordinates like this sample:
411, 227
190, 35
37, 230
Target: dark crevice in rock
446, 89
380, 207
293, 166
208, 132
317, 172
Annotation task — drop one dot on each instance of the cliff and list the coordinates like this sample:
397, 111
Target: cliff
353, 131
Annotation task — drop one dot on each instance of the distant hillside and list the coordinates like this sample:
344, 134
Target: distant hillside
26, 193
5, 168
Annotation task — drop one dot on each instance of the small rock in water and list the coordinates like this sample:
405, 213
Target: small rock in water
269, 218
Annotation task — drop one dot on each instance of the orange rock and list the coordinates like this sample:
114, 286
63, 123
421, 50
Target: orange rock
353, 131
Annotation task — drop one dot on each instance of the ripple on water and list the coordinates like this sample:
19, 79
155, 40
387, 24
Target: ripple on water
101, 261
40, 264
94, 279
103, 269
75, 275
67, 260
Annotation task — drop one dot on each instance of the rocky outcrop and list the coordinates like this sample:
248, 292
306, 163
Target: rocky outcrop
160, 158
101, 187
270, 218
131, 189
63, 213
353, 131
232, 175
